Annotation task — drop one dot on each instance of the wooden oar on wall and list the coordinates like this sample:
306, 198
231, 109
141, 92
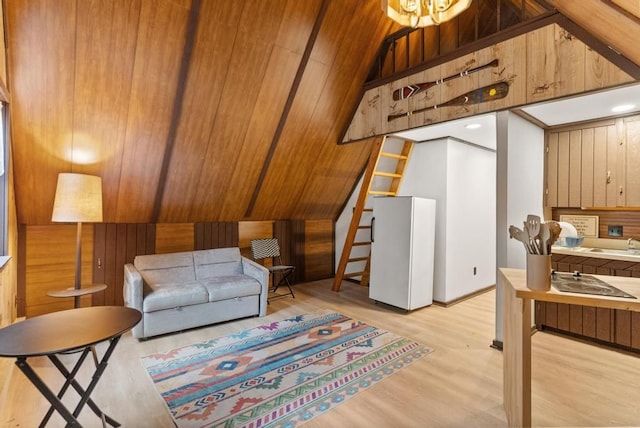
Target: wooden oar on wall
411, 90
477, 96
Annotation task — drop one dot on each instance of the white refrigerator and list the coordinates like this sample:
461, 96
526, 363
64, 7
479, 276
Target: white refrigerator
402, 251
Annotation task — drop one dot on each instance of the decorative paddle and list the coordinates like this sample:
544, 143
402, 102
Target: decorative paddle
477, 96
411, 90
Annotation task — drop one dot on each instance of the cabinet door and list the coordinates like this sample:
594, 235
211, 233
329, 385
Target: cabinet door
601, 168
586, 167
552, 170
632, 142
563, 169
587, 185
575, 168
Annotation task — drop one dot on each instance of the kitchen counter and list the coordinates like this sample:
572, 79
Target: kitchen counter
516, 301
632, 255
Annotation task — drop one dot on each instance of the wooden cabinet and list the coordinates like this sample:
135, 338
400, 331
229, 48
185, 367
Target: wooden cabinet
631, 129
615, 327
594, 165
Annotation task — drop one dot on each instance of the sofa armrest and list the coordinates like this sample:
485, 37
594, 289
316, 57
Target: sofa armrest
261, 273
133, 293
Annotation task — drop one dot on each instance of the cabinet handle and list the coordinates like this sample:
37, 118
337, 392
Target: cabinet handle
608, 177
620, 190
373, 222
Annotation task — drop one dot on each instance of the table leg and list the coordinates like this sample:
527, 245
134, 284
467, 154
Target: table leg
47, 393
85, 394
69, 376
516, 358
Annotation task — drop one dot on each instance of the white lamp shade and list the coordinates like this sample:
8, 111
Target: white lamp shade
78, 199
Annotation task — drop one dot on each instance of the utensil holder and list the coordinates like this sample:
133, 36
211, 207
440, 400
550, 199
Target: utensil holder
539, 272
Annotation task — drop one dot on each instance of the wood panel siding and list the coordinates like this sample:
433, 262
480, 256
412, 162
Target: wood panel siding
545, 63
178, 104
174, 237
628, 219
613, 26
320, 112
107, 247
216, 235
50, 259
114, 246
592, 164
319, 253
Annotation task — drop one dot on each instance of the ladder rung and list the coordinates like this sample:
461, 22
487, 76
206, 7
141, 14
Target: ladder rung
357, 259
388, 174
379, 192
368, 209
352, 274
393, 155
364, 227
362, 243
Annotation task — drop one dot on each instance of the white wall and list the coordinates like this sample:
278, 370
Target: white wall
461, 178
520, 190
426, 177
471, 210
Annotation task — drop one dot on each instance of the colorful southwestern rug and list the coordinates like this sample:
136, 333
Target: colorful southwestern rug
281, 374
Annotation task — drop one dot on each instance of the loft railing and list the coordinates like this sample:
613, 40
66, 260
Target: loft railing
410, 47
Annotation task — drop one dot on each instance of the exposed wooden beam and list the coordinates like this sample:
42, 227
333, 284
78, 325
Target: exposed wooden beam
622, 62
287, 107
192, 27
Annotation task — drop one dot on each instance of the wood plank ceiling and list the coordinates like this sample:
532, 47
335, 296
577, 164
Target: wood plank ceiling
190, 110
206, 110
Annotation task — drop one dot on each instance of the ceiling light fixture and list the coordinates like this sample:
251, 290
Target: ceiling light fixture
473, 126
622, 108
422, 13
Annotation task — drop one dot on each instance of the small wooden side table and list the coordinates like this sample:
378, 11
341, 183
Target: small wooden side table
77, 293
65, 332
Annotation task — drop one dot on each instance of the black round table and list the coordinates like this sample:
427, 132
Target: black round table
73, 330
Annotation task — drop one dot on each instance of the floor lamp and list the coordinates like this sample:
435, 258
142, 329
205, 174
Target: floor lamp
78, 199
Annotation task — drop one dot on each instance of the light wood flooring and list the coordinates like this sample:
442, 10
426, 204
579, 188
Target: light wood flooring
457, 385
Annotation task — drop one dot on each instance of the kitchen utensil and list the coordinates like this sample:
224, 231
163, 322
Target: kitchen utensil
533, 226
555, 230
520, 235
545, 235
530, 244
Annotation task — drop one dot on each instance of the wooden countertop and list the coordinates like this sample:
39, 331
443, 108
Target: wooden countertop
599, 253
516, 323
518, 280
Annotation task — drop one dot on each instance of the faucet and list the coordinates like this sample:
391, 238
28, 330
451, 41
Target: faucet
631, 243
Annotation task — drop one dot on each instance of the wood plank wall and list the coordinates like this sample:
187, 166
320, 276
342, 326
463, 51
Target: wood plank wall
543, 64
107, 247
628, 219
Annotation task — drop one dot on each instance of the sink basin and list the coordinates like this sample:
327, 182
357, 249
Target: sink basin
610, 251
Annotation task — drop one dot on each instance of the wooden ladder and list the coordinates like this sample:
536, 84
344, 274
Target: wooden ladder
389, 174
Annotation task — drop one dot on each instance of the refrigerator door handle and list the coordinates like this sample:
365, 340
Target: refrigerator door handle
373, 222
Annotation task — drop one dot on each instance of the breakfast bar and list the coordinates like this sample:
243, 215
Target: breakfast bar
517, 325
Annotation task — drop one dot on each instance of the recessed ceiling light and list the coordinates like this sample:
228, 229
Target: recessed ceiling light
622, 108
473, 126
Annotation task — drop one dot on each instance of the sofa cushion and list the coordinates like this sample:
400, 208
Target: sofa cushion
217, 262
228, 287
173, 295
166, 268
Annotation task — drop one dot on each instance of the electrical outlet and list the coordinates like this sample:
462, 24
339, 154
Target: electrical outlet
614, 230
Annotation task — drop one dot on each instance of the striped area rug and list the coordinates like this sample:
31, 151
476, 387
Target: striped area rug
281, 374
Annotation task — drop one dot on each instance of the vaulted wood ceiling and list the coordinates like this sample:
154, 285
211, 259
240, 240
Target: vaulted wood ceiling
199, 110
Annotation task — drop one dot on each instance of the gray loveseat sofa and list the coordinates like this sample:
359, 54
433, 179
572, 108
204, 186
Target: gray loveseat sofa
177, 291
